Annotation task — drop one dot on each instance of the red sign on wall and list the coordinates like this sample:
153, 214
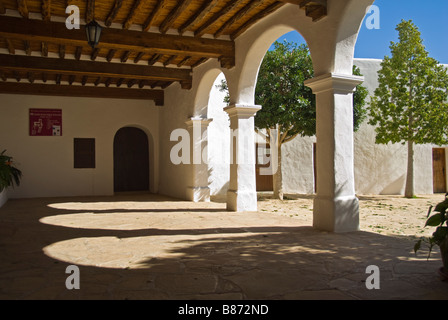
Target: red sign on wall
45, 122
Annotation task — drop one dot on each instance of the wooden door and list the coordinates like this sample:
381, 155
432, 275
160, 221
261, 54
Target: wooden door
264, 182
439, 170
131, 160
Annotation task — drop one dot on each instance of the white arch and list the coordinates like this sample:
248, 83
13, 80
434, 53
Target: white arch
331, 41
206, 75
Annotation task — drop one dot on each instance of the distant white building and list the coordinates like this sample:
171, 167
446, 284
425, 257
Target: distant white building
379, 169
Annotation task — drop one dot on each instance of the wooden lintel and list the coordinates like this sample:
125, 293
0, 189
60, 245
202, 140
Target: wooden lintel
82, 91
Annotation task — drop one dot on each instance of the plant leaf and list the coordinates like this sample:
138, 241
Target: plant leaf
442, 206
429, 211
434, 220
440, 234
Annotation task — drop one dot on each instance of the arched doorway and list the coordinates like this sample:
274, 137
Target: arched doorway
131, 160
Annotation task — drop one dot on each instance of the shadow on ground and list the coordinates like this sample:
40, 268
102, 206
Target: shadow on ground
216, 257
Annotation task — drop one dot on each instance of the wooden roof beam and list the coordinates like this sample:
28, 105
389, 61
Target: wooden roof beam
2, 8
199, 15
255, 18
27, 47
94, 54
181, 7
90, 10
135, 8
91, 68
113, 13
125, 56
22, 8
61, 51
82, 91
46, 10
10, 46
253, 4
202, 29
154, 14
44, 49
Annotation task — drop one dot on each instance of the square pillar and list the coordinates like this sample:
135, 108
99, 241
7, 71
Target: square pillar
198, 190
336, 207
242, 192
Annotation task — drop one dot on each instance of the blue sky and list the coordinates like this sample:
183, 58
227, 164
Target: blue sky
430, 16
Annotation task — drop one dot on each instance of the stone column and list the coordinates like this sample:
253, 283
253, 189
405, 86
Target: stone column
242, 192
198, 190
336, 207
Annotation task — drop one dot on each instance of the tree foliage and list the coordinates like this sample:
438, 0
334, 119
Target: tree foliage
410, 103
284, 98
9, 174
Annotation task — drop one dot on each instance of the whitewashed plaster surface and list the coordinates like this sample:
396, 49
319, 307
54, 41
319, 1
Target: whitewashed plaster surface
47, 162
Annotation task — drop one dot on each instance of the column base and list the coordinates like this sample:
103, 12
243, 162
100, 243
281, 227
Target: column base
241, 201
336, 214
198, 194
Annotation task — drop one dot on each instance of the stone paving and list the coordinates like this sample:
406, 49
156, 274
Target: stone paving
153, 247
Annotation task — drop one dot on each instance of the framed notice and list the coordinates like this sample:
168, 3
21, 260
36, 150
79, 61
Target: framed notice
45, 122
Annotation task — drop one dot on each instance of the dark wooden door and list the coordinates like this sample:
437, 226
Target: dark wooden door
439, 170
131, 160
264, 182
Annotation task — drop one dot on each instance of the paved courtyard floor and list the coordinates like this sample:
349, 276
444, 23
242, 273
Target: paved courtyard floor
140, 246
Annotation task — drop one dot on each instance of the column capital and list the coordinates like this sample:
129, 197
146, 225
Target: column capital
242, 111
203, 122
337, 82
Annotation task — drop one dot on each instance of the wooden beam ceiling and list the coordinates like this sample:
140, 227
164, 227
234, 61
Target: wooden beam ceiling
145, 43
82, 91
89, 68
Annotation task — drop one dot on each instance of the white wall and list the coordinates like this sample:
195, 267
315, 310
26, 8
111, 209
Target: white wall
218, 141
47, 162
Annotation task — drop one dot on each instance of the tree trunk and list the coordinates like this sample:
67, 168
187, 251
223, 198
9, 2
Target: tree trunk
277, 177
409, 191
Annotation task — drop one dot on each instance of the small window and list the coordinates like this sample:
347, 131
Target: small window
84, 153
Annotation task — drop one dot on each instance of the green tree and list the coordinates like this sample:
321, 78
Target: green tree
9, 174
410, 104
288, 106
